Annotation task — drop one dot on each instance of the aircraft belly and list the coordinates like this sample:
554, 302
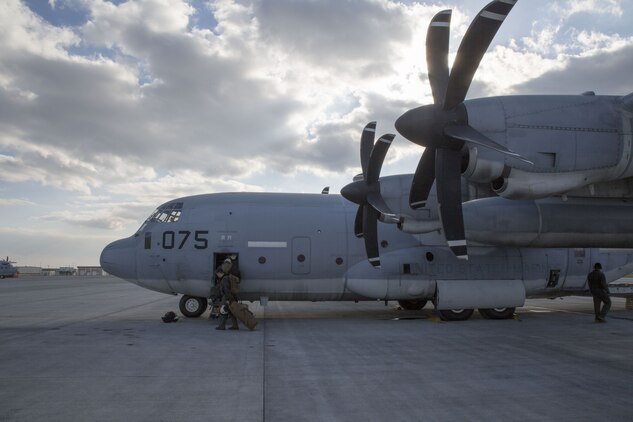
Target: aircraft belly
195, 287
408, 273
293, 289
157, 285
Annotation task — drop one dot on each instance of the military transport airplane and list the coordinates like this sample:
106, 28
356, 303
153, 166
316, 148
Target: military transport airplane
514, 197
7, 269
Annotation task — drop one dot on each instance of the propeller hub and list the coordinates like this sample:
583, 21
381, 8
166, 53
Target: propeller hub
425, 125
419, 125
355, 192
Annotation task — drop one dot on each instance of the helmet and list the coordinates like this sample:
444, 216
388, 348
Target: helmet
226, 265
169, 317
224, 310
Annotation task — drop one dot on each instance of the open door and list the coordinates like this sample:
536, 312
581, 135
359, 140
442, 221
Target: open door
218, 259
556, 267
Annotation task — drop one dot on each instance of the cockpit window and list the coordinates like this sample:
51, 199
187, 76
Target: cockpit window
168, 213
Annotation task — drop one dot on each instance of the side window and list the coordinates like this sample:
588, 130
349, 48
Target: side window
148, 240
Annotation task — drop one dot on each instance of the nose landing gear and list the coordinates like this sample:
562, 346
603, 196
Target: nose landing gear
192, 307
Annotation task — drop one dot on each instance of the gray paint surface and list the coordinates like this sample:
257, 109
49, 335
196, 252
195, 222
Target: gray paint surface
95, 349
333, 264
558, 133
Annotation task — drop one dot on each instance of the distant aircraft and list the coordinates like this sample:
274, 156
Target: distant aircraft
514, 197
7, 269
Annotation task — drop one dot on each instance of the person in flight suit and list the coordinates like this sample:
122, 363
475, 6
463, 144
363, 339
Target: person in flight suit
600, 292
227, 296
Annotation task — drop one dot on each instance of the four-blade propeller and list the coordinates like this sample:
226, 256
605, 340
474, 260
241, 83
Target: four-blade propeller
442, 127
366, 191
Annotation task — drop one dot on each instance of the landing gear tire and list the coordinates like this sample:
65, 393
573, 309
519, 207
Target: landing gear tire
412, 305
455, 314
497, 313
192, 307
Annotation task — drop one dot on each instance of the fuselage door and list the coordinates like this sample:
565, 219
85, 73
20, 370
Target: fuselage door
300, 255
557, 267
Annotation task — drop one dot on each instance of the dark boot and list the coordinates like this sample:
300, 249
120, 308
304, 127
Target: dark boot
222, 325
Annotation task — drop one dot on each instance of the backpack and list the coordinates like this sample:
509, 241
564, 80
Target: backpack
216, 292
235, 284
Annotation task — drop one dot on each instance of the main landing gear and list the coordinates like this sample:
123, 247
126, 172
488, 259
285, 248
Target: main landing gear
464, 314
497, 313
192, 307
455, 314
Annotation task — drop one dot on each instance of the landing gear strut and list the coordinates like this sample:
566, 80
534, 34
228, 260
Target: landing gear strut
412, 305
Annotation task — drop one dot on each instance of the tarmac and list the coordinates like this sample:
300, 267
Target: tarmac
95, 349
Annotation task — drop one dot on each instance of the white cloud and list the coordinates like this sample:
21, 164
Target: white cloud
24, 32
571, 7
182, 183
14, 201
99, 220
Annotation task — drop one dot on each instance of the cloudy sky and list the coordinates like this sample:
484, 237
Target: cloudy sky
109, 108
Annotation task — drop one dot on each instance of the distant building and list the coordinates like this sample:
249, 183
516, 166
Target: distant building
30, 270
67, 271
90, 271
50, 271
62, 271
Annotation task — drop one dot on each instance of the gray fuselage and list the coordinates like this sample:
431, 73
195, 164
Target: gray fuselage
302, 247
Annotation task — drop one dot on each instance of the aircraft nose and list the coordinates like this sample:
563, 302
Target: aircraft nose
119, 259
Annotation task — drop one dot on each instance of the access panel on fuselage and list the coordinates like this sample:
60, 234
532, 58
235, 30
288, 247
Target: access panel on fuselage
300, 256
578, 266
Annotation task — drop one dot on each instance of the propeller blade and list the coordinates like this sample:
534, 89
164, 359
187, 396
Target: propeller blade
366, 192
366, 145
422, 179
437, 54
370, 233
472, 49
376, 200
449, 199
358, 222
378, 156
470, 134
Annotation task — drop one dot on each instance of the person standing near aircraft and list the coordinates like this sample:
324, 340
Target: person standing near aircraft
600, 292
227, 295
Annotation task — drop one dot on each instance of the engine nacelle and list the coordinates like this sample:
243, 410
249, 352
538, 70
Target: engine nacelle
518, 184
410, 225
482, 166
550, 223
